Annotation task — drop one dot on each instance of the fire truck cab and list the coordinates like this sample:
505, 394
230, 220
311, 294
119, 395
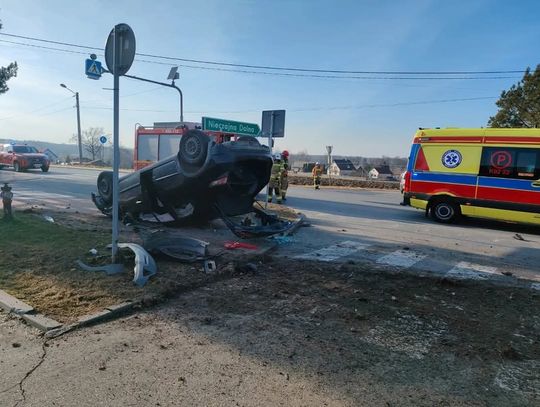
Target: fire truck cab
154, 143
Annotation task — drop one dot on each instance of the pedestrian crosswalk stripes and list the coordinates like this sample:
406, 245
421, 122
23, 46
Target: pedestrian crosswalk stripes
406, 258
470, 271
401, 258
333, 252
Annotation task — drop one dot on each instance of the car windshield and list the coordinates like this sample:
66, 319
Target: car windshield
24, 149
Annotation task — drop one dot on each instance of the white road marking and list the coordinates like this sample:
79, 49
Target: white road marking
470, 271
535, 286
333, 252
401, 258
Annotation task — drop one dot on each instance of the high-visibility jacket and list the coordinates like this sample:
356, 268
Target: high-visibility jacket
316, 171
277, 169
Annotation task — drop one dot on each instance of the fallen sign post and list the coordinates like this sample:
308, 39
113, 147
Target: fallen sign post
230, 126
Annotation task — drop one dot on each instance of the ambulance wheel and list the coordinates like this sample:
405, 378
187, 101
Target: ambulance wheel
193, 147
445, 211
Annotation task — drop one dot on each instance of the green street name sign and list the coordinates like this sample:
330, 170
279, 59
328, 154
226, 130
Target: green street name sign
230, 126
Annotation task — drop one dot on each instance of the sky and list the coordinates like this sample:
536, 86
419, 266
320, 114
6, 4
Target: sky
358, 114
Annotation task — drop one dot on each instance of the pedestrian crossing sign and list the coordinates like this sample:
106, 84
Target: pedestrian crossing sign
93, 69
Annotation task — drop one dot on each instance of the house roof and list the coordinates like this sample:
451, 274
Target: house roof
345, 165
383, 169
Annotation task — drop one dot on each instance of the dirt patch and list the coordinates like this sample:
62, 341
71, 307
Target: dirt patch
38, 262
377, 338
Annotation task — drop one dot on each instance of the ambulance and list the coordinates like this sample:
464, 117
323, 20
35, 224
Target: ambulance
489, 173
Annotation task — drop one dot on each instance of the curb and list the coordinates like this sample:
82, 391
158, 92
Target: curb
15, 306
52, 328
110, 312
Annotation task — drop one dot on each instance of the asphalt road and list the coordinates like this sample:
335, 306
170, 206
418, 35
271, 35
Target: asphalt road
372, 220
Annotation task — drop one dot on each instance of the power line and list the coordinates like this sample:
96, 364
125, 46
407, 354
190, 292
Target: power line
38, 109
287, 74
278, 68
313, 109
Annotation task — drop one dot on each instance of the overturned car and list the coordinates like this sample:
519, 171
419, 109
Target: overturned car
205, 180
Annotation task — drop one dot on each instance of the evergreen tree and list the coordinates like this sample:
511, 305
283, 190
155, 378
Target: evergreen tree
519, 106
6, 73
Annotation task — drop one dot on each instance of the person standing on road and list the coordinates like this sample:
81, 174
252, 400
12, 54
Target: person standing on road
275, 179
316, 172
284, 181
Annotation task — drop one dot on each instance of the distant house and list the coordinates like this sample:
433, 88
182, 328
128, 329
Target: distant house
52, 156
360, 172
381, 172
342, 167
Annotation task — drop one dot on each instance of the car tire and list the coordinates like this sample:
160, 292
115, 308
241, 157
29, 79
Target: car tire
445, 211
44, 168
105, 185
17, 166
193, 148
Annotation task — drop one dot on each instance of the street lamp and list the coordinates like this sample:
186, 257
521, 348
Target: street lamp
78, 120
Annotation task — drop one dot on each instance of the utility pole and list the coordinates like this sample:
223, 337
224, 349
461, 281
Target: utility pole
79, 137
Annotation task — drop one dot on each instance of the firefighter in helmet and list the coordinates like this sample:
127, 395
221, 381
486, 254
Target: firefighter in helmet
284, 174
275, 179
316, 172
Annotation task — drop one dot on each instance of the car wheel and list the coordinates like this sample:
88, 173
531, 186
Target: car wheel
105, 185
193, 147
445, 211
44, 168
17, 166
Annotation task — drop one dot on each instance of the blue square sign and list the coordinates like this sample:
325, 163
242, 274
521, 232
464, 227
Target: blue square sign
93, 69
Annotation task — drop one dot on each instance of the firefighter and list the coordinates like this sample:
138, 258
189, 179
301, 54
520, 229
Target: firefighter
7, 198
316, 172
275, 179
284, 174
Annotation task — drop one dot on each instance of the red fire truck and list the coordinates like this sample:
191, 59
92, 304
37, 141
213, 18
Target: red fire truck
154, 143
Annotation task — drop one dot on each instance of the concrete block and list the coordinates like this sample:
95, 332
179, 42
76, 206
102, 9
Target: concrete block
94, 318
12, 304
41, 322
120, 308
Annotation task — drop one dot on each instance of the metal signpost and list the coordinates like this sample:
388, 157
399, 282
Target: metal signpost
230, 126
119, 55
273, 125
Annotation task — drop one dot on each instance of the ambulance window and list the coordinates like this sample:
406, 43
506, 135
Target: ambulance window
526, 164
507, 162
148, 147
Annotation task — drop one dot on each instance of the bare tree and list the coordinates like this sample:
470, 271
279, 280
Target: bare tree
90, 141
